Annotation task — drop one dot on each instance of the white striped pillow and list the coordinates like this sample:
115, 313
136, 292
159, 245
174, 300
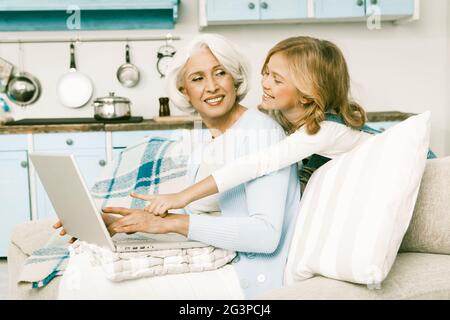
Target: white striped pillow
357, 207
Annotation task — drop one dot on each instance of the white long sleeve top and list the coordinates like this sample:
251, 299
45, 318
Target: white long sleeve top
332, 140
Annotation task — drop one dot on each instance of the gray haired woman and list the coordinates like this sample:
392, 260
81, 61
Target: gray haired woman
254, 219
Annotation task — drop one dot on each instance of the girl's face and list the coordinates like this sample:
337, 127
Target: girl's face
208, 86
279, 93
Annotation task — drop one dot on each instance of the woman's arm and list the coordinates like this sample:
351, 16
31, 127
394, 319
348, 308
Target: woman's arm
257, 230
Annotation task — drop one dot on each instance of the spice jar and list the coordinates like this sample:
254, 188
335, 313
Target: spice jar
164, 110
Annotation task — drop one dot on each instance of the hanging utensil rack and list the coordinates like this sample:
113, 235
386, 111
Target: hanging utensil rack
91, 39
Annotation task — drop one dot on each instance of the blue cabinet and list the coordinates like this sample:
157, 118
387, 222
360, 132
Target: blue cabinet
220, 12
14, 186
89, 151
283, 9
339, 8
232, 10
255, 10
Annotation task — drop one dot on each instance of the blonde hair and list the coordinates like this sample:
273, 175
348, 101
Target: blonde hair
320, 74
225, 52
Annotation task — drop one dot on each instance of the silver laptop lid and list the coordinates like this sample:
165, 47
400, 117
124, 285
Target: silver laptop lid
71, 198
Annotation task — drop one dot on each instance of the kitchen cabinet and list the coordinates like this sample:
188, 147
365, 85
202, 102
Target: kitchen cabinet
89, 150
255, 10
339, 8
14, 186
70, 15
283, 9
218, 12
232, 10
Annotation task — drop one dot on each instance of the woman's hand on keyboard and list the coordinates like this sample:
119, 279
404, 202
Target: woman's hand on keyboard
138, 220
161, 203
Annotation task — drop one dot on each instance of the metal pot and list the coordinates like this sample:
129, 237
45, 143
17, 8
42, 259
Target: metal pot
23, 89
112, 107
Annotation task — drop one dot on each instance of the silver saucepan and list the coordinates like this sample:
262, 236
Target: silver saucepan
112, 108
128, 74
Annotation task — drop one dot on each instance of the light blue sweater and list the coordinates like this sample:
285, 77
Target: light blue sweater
258, 217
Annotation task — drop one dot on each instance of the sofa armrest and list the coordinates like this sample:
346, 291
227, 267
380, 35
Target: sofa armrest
25, 239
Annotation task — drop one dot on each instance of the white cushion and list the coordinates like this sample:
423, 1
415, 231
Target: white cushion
357, 207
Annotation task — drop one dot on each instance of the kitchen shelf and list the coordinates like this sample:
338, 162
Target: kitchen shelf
62, 5
45, 15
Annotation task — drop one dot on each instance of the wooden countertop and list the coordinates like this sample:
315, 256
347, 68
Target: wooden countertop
388, 116
165, 123
168, 123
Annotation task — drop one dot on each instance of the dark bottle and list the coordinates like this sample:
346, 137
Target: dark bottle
164, 110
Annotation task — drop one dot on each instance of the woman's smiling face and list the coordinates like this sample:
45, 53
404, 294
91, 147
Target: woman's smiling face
208, 86
279, 93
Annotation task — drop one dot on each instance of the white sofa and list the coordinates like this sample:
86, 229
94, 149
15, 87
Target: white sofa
421, 270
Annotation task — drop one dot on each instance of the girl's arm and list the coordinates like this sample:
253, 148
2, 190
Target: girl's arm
286, 152
160, 204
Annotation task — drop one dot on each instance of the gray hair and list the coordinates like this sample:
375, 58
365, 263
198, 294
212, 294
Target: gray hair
224, 51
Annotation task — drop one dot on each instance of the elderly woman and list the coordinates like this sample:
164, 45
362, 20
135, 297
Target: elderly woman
255, 219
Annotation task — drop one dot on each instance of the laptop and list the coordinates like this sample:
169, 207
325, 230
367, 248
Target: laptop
74, 206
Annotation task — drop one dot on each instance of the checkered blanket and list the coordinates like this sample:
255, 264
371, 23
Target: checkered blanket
150, 166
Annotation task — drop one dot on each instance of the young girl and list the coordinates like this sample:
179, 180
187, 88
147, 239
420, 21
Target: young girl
306, 87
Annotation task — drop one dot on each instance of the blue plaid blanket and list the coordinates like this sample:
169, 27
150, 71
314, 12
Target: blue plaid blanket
150, 166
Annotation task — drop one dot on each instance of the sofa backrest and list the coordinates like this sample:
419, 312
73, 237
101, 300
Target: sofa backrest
429, 230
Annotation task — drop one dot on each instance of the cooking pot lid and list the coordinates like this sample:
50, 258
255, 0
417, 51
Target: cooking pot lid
111, 99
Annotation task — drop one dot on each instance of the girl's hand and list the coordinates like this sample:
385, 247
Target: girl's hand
160, 204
